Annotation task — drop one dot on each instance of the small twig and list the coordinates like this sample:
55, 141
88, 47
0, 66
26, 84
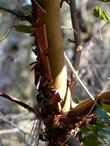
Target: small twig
95, 103
71, 41
68, 28
17, 101
77, 77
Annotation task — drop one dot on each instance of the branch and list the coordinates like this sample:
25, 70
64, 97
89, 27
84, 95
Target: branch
17, 101
77, 77
77, 35
75, 115
85, 106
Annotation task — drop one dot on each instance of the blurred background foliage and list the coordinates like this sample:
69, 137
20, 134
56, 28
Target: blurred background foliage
16, 77
95, 63
15, 56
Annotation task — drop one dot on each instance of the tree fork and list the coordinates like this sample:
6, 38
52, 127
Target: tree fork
84, 109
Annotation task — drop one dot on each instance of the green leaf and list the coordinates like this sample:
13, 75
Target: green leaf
75, 99
91, 140
106, 108
91, 132
23, 28
27, 9
104, 0
99, 128
100, 13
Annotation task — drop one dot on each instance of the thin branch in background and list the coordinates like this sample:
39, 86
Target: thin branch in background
17, 14
32, 132
8, 31
77, 35
104, 140
9, 131
12, 124
16, 128
18, 117
5, 36
17, 101
1, 143
101, 29
77, 77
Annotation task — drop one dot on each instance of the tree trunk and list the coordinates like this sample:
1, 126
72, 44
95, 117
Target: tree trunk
56, 50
